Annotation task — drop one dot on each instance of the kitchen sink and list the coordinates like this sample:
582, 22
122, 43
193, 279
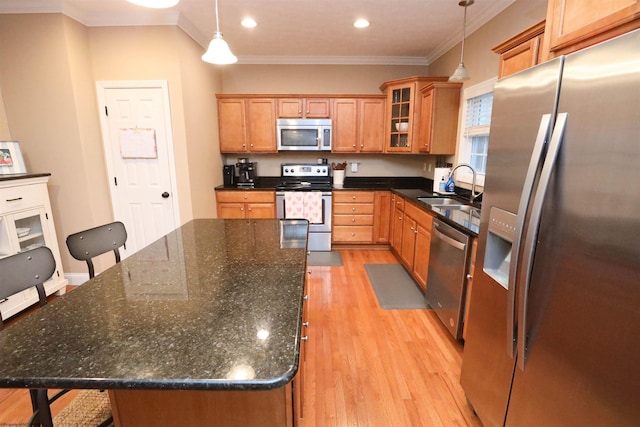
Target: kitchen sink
439, 201
459, 207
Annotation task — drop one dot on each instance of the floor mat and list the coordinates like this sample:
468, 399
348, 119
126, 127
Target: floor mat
325, 259
394, 288
89, 408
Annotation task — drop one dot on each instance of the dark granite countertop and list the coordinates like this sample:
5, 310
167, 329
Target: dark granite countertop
214, 305
409, 187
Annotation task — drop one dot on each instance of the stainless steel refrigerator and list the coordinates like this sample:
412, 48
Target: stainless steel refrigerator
553, 334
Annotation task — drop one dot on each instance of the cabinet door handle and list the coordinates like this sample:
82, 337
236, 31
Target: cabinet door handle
14, 200
304, 338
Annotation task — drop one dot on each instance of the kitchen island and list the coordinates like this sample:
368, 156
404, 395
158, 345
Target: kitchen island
202, 327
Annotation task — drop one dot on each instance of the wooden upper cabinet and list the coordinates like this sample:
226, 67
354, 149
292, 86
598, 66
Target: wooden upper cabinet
247, 125
231, 125
575, 24
304, 108
261, 125
521, 51
358, 125
403, 109
438, 122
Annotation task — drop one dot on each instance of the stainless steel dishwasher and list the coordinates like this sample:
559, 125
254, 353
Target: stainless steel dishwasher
447, 280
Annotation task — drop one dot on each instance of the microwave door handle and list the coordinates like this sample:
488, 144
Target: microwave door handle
527, 191
532, 234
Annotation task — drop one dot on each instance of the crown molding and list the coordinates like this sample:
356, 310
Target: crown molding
334, 60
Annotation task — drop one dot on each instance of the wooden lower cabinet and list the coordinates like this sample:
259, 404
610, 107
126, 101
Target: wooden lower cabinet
411, 238
381, 216
246, 204
467, 303
353, 216
416, 240
397, 221
142, 408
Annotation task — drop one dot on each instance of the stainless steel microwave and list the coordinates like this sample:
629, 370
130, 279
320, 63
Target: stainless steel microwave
304, 134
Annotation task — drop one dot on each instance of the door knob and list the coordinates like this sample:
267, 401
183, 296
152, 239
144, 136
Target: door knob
165, 195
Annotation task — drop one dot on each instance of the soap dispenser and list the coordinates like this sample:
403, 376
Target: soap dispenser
450, 186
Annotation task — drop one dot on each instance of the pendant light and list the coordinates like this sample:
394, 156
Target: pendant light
461, 72
156, 4
218, 52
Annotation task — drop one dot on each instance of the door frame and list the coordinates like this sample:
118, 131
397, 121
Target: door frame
101, 87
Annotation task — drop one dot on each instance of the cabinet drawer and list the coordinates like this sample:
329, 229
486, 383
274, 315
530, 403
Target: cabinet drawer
16, 198
420, 216
353, 208
246, 196
353, 196
352, 234
399, 203
353, 220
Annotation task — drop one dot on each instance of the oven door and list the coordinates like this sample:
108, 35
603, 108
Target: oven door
319, 232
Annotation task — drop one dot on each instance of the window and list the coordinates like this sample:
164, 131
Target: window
476, 121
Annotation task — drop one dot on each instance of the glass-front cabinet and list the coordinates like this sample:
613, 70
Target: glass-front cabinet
26, 223
403, 112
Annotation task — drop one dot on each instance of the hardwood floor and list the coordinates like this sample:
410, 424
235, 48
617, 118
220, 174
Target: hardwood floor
364, 366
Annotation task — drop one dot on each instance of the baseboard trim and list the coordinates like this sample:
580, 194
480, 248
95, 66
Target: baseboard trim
76, 279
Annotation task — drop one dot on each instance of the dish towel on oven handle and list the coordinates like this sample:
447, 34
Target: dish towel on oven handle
312, 202
303, 204
293, 204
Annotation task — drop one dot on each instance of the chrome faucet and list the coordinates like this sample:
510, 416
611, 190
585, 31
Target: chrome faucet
473, 183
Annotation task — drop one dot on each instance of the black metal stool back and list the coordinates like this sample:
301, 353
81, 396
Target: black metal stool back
25, 270
86, 245
22, 271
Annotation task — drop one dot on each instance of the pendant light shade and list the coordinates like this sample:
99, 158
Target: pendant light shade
156, 4
461, 74
218, 51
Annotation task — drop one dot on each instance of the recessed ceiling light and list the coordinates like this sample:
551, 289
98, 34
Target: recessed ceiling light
361, 23
248, 23
156, 4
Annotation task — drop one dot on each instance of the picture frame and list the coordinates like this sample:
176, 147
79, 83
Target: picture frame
11, 160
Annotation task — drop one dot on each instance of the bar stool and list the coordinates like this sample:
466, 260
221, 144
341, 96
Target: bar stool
22, 271
88, 244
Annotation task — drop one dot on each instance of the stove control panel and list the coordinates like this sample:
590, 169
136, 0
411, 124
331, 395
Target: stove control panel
304, 170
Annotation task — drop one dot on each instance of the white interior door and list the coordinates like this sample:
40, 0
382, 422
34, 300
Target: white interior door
136, 127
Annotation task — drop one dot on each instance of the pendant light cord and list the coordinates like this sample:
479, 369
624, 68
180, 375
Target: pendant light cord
218, 23
464, 32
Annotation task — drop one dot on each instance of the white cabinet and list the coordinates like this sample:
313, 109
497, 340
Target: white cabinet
26, 223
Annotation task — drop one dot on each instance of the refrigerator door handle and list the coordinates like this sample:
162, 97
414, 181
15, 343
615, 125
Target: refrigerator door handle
532, 234
523, 207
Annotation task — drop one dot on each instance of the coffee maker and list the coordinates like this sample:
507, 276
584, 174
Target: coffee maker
246, 171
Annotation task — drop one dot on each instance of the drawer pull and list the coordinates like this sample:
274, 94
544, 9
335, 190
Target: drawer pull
14, 200
353, 209
304, 338
3, 300
353, 197
353, 220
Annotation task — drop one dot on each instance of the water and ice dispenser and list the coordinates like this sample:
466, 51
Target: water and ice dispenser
502, 232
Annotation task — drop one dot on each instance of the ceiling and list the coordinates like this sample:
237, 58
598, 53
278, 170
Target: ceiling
402, 32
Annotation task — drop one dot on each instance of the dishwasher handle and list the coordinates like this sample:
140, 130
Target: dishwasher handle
448, 240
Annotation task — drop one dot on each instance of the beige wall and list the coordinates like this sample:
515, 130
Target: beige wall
49, 94
314, 79
479, 59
